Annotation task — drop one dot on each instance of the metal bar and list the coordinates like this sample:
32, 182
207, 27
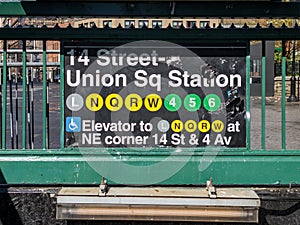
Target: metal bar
30, 51
24, 100
182, 35
30, 164
47, 116
1, 75
4, 96
283, 113
44, 134
28, 113
152, 9
32, 108
30, 64
263, 96
248, 122
11, 112
62, 90
17, 113
143, 201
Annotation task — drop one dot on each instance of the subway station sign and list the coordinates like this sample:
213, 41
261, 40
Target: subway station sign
154, 94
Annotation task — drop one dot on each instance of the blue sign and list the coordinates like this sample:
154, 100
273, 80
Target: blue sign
73, 124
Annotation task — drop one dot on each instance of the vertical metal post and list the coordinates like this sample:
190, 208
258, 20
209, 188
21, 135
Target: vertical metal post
24, 100
248, 122
4, 95
11, 109
17, 113
62, 82
30, 143
283, 116
263, 95
45, 125
47, 115
1, 75
32, 108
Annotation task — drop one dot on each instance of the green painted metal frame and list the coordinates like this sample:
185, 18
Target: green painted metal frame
228, 167
24, 96
263, 96
45, 97
62, 94
4, 91
128, 34
283, 100
248, 122
215, 9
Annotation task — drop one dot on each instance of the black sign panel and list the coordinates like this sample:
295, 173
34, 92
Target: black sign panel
154, 94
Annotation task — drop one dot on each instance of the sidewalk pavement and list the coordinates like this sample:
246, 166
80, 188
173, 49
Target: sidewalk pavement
273, 124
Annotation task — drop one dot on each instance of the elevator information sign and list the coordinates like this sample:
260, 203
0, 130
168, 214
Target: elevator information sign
154, 94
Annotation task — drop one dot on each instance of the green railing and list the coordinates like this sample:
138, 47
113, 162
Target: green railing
41, 156
11, 86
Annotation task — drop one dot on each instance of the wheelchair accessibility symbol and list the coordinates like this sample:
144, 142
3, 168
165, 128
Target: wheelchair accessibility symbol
73, 124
